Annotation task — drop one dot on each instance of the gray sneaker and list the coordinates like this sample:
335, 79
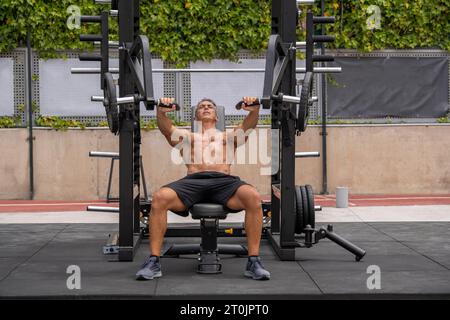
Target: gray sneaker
150, 269
255, 269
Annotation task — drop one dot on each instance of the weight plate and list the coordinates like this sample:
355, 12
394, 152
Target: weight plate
299, 226
275, 54
110, 103
303, 108
312, 212
305, 206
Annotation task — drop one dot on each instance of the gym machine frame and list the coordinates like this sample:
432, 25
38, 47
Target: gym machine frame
135, 86
135, 81
280, 79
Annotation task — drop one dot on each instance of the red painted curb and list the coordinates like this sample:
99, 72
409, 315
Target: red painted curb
321, 200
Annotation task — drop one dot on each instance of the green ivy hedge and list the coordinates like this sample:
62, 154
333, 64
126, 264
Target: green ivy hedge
403, 24
190, 30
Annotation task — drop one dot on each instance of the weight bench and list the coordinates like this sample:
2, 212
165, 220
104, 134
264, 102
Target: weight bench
209, 215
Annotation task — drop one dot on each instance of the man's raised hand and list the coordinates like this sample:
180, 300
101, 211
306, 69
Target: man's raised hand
248, 104
167, 104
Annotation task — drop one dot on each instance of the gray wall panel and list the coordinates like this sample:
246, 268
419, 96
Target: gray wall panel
226, 89
392, 86
66, 94
7, 86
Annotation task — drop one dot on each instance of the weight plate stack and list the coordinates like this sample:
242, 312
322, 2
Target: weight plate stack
305, 206
310, 200
299, 226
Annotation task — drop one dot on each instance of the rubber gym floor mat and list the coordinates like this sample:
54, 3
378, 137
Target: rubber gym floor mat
412, 259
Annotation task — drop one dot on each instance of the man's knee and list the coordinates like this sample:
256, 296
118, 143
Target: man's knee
167, 199
161, 199
251, 199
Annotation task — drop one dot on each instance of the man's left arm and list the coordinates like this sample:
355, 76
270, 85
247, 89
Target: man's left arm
250, 121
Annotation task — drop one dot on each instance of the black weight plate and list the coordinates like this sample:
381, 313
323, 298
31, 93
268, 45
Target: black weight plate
295, 215
305, 206
110, 103
275, 53
312, 212
303, 108
299, 226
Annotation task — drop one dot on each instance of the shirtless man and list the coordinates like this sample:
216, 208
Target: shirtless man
206, 180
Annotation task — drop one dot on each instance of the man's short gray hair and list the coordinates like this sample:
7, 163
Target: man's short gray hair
203, 100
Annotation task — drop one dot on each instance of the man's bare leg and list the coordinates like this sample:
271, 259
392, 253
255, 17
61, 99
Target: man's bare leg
164, 199
247, 198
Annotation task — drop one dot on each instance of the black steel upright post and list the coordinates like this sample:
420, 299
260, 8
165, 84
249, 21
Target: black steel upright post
324, 110
104, 47
136, 174
309, 41
284, 23
30, 112
276, 177
126, 137
137, 136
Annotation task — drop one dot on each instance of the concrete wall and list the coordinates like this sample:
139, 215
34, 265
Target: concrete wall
374, 159
14, 169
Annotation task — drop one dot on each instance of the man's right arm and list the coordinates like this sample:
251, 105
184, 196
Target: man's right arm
172, 134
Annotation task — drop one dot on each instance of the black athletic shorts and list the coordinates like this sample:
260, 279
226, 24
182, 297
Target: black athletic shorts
206, 186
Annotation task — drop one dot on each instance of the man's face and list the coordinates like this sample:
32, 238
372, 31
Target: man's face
206, 111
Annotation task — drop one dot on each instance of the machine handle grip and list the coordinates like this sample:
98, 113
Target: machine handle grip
239, 104
165, 105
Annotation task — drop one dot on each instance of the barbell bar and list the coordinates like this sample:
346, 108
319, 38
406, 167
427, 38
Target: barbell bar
130, 99
307, 154
116, 70
103, 154
120, 100
111, 44
102, 209
289, 99
299, 2
305, 2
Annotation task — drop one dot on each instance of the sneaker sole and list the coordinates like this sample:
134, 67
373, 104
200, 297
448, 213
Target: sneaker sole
156, 275
249, 274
